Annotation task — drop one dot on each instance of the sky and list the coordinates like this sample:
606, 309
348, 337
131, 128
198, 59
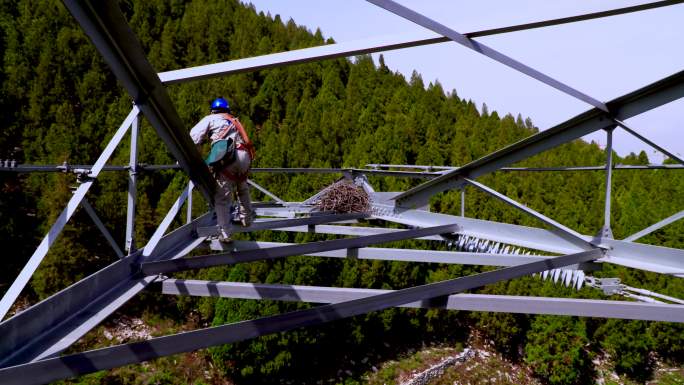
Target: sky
603, 58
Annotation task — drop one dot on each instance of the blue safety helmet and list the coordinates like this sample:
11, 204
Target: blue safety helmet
220, 104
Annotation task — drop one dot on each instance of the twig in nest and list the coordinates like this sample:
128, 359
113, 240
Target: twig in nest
344, 197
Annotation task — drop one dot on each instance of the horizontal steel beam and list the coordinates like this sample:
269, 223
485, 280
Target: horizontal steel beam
473, 302
367, 46
276, 224
351, 230
111, 357
85, 169
106, 26
82, 168
408, 255
441, 169
286, 251
646, 98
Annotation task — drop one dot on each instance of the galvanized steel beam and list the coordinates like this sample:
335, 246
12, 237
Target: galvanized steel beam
407, 255
657, 259
276, 224
649, 142
52, 325
107, 358
219, 259
646, 98
367, 46
166, 222
101, 226
655, 226
606, 231
106, 26
564, 231
265, 191
44, 246
441, 169
472, 302
485, 50
132, 188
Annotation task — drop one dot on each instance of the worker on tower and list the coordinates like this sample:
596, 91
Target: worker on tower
230, 160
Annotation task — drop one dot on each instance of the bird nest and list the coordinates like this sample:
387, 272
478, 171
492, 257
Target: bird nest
344, 197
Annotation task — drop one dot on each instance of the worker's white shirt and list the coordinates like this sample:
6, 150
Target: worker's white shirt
212, 126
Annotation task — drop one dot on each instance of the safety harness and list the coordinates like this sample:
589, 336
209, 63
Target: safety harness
244, 145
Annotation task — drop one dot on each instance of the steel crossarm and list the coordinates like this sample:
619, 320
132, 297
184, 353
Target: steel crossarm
657, 259
52, 325
409, 255
73, 204
565, 231
655, 226
106, 26
367, 46
111, 357
471, 302
276, 224
524, 236
219, 259
485, 50
634, 103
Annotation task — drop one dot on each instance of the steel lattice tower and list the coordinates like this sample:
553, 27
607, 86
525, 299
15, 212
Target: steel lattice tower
31, 341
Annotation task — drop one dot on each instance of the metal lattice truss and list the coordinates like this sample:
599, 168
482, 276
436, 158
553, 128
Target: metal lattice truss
32, 340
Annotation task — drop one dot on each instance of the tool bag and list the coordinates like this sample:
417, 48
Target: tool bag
221, 155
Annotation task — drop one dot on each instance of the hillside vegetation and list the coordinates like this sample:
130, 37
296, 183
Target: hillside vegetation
60, 102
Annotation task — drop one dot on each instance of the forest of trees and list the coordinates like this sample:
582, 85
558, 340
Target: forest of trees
60, 102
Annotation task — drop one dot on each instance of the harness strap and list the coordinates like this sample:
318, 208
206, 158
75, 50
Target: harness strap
246, 143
